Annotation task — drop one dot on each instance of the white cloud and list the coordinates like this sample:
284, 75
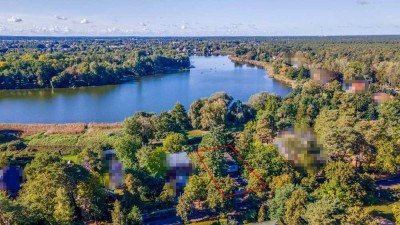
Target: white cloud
85, 21
14, 19
183, 27
61, 17
142, 24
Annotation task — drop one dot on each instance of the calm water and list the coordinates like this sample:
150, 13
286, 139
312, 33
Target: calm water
113, 103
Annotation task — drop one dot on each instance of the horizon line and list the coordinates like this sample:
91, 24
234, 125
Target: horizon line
198, 36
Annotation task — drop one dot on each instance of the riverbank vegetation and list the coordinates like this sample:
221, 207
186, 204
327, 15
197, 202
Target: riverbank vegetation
339, 143
83, 63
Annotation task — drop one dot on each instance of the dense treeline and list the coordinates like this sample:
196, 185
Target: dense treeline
354, 135
375, 59
84, 65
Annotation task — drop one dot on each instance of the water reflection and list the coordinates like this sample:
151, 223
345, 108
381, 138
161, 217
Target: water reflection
52, 93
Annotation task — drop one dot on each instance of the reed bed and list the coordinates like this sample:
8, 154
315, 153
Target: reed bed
68, 128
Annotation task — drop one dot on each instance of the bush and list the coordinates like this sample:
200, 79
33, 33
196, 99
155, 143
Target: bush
16, 145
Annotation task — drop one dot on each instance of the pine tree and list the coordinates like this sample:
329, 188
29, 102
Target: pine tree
118, 215
134, 217
63, 210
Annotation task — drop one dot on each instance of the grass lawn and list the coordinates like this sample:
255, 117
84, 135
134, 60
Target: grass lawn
384, 210
73, 158
196, 133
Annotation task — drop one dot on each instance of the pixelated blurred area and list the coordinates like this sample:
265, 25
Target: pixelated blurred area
179, 168
115, 170
10, 180
380, 98
322, 76
296, 60
300, 146
357, 85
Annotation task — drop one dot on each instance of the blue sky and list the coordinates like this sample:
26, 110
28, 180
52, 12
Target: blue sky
199, 17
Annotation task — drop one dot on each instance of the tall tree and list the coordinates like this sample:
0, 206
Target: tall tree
118, 214
277, 205
64, 211
178, 113
134, 217
295, 207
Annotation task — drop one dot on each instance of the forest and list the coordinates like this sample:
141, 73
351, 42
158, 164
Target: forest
57, 65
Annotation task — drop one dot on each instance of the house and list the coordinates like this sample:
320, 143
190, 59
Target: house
179, 168
356, 86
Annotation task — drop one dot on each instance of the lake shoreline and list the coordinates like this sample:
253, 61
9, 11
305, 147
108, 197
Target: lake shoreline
268, 68
121, 81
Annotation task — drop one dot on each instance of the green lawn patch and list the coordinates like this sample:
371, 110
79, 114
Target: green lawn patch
196, 133
384, 210
73, 158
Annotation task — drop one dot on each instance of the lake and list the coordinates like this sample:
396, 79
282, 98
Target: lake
113, 103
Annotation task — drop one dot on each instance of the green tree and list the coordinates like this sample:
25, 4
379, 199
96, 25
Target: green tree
262, 213
213, 114
258, 101
214, 160
184, 208
265, 128
195, 114
64, 211
10, 211
174, 143
276, 205
215, 200
134, 217
164, 124
345, 184
156, 163
178, 113
396, 212
295, 208
118, 214
268, 159
140, 125
357, 216
195, 189
126, 148
326, 211
3, 161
